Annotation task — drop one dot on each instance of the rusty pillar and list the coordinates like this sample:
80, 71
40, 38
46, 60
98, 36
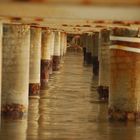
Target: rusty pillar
95, 61
45, 57
15, 72
103, 86
57, 53
35, 59
124, 96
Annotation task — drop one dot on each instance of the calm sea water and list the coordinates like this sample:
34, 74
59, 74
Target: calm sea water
69, 110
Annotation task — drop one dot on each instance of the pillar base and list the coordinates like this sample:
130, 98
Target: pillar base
45, 72
117, 115
14, 111
103, 92
34, 89
95, 63
56, 63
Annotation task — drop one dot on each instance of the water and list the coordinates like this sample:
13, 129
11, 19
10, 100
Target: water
69, 110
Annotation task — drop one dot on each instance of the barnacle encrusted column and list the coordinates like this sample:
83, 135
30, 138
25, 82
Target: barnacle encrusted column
103, 86
35, 61
45, 57
57, 52
15, 70
124, 98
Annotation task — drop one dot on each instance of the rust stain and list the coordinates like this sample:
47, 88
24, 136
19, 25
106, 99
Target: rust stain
86, 25
39, 19
86, 2
65, 25
16, 18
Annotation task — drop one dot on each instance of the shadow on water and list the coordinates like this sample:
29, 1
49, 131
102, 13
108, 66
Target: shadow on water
69, 110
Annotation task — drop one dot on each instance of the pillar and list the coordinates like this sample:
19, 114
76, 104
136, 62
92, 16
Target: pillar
103, 85
89, 45
124, 99
65, 43
57, 53
35, 59
52, 50
95, 60
62, 44
0, 61
45, 57
15, 70
83, 42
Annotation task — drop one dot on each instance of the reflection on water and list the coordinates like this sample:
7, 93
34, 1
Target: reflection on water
69, 110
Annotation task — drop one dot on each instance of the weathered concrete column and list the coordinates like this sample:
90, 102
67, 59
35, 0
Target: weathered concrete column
124, 99
45, 57
35, 61
95, 61
52, 50
65, 43
0, 61
89, 47
62, 44
83, 43
57, 53
103, 86
15, 70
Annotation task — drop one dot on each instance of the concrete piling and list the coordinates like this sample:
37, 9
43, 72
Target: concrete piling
52, 51
89, 47
95, 61
45, 57
35, 61
103, 86
57, 51
124, 75
15, 72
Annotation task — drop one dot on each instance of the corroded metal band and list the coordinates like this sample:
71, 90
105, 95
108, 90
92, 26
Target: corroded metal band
45, 71
118, 115
56, 63
14, 111
34, 89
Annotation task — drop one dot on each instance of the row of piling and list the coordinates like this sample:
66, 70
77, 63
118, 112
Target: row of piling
114, 54
30, 54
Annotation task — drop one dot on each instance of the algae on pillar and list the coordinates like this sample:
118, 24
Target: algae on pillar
35, 61
15, 70
57, 53
124, 98
45, 57
104, 79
